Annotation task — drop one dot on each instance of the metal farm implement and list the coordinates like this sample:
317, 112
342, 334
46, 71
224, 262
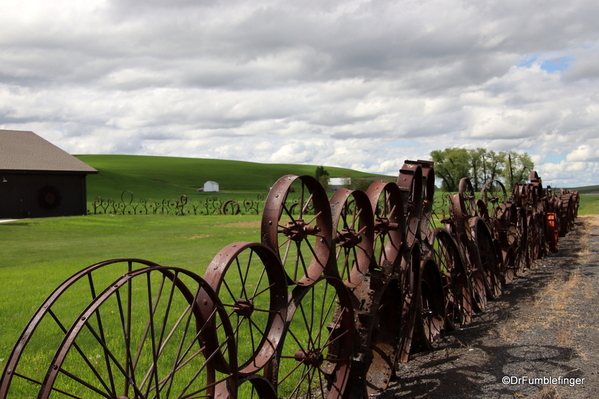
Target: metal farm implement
334, 295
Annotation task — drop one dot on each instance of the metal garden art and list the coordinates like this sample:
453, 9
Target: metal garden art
335, 293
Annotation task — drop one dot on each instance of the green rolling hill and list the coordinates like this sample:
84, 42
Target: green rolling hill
170, 177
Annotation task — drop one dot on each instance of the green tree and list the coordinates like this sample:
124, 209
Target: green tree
517, 169
322, 176
451, 164
477, 167
480, 165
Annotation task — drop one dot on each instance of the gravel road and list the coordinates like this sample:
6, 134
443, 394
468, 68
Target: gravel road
539, 340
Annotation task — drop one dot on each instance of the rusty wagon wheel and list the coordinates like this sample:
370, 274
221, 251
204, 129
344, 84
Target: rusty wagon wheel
456, 285
143, 337
256, 387
314, 359
490, 261
430, 318
428, 197
493, 193
378, 323
299, 229
353, 226
252, 286
47, 328
410, 286
230, 207
389, 223
410, 181
384, 335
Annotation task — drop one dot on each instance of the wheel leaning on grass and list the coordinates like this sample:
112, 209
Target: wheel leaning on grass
144, 337
25, 366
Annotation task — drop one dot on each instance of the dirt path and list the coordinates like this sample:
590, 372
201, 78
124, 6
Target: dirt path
545, 326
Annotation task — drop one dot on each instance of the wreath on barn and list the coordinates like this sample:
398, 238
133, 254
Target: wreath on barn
49, 197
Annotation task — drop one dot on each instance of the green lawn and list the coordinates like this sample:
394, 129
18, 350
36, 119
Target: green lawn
38, 254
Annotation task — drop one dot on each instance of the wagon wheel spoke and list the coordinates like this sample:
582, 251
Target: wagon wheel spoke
353, 227
315, 356
456, 286
296, 224
389, 221
51, 322
252, 285
142, 336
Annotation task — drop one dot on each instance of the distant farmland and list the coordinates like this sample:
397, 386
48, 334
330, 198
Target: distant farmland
169, 177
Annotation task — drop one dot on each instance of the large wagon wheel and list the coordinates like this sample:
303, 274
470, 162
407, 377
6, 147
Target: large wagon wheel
299, 229
252, 287
314, 359
47, 328
353, 226
490, 261
142, 337
389, 221
456, 285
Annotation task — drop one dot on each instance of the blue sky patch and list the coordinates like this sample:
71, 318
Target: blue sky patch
556, 64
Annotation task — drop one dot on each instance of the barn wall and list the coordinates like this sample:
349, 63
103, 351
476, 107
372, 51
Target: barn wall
42, 195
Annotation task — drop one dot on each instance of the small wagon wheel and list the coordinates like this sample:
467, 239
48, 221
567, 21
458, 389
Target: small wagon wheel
493, 193
314, 359
490, 261
50, 323
230, 207
142, 337
389, 223
353, 226
252, 286
299, 231
456, 285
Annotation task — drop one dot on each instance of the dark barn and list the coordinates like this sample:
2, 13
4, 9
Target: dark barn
38, 179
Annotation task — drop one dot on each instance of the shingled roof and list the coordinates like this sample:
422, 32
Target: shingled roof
26, 151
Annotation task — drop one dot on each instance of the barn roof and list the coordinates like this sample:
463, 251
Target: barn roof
26, 151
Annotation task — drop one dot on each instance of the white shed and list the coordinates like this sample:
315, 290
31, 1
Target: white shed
211, 187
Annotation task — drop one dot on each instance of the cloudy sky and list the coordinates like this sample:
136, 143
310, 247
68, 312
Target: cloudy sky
359, 84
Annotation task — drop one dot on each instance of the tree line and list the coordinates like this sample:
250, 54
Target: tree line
480, 165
